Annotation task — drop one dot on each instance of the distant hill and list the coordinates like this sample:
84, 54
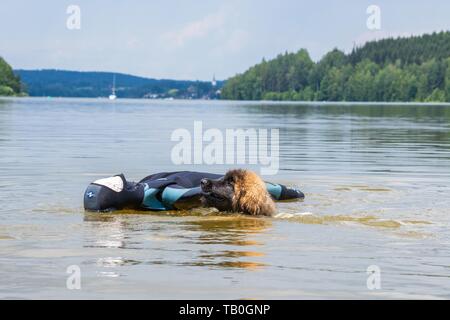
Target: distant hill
61, 83
9, 82
403, 69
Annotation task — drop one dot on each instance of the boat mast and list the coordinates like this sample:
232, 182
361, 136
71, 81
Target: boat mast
114, 85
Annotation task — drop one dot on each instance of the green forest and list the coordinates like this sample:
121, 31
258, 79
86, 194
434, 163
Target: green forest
9, 82
403, 69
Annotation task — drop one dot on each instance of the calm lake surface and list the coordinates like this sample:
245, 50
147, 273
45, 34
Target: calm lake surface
376, 179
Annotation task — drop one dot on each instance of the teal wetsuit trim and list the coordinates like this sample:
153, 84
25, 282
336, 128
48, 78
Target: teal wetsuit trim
274, 190
171, 195
150, 201
168, 197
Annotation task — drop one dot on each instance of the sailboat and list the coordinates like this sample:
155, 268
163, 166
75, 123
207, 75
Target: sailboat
113, 96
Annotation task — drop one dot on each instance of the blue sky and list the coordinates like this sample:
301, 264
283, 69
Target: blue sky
192, 39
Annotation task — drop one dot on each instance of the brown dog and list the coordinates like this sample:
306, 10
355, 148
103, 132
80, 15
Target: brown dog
238, 191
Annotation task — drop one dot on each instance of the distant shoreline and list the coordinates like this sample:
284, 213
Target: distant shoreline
253, 102
93, 84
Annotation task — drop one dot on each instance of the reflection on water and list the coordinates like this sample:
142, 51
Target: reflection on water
226, 230
224, 234
375, 177
229, 232
412, 112
109, 232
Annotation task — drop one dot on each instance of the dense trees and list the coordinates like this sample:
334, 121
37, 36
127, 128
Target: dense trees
9, 82
411, 50
447, 80
403, 69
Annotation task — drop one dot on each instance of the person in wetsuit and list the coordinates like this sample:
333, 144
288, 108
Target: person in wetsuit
161, 191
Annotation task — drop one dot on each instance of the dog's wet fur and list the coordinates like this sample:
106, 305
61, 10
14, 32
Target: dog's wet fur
238, 191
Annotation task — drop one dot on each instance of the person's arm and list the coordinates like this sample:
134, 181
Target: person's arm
281, 192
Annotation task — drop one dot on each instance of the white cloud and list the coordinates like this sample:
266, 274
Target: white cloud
236, 41
196, 29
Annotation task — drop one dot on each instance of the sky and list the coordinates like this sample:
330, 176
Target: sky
196, 39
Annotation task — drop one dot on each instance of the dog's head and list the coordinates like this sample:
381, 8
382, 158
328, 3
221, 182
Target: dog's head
238, 191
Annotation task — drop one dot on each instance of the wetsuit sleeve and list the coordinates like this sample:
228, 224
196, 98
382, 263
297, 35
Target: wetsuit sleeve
281, 192
188, 199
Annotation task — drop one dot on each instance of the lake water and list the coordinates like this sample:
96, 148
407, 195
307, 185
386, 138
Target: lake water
376, 179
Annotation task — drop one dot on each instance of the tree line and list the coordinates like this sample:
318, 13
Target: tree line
10, 84
403, 69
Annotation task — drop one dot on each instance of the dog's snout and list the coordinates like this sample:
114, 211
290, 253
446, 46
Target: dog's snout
205, 183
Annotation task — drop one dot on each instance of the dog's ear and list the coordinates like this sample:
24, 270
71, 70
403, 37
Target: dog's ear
251, 196
268, 208
261, 205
